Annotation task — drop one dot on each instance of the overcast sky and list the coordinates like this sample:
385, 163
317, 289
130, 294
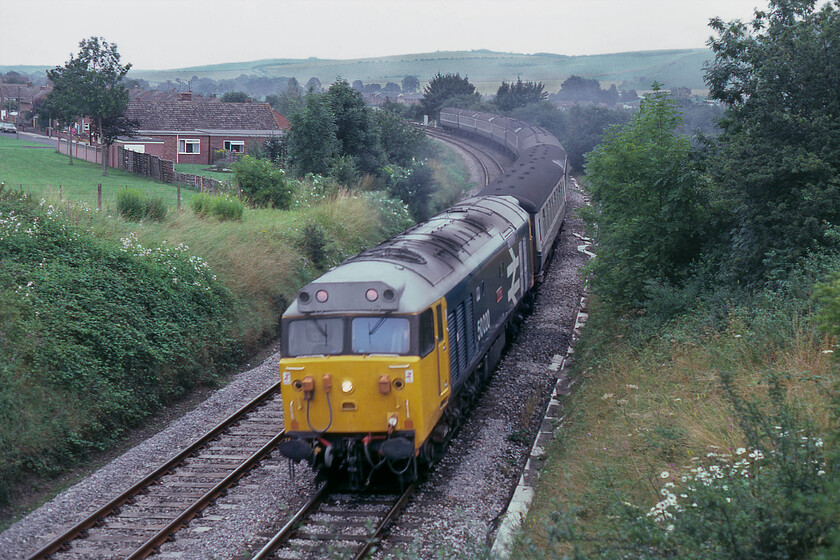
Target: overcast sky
164, 34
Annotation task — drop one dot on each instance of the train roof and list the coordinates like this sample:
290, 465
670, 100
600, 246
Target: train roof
527, 178
418, 266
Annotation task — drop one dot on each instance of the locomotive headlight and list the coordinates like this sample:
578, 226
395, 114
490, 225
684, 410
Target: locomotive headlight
392, 422
371, 295
346, 386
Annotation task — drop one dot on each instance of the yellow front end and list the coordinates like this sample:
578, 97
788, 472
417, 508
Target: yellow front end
362, 395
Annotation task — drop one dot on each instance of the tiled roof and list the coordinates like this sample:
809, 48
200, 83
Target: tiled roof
200, 115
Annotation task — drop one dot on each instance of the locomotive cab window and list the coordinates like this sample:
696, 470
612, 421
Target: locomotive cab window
316, 336
380, 335
427, 332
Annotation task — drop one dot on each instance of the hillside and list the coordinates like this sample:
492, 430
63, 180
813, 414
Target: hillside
486, 69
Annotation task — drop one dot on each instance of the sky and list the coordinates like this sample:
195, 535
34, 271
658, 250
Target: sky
167, 34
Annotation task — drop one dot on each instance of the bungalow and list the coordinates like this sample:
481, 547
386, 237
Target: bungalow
192, 131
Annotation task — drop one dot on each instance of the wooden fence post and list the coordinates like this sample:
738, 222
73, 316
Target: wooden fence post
99, 197
179, 196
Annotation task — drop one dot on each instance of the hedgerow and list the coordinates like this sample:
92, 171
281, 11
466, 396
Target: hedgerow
95, 334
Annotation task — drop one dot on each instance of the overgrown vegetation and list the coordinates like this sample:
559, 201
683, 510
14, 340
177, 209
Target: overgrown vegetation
707, 419
96, 333
136, 205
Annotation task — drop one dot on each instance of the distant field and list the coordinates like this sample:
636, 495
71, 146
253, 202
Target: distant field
486, 69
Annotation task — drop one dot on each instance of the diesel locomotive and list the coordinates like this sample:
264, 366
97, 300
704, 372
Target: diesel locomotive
384, 354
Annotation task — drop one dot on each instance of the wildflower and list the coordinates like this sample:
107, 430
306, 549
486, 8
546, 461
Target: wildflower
664, 474
740, 451
828, 351
606, 396
737, 336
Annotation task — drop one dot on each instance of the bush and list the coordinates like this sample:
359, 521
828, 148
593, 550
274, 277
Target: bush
262, 183
223, 207
135, 205
94, 335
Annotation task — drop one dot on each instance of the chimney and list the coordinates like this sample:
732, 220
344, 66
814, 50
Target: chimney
186, 96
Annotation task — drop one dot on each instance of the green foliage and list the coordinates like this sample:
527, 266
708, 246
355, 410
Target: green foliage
776, 162
401, 141
313, 241
95, 335
444, 89
414, 186
344, 171
647, 210
772, 499
235, 97
262, 183
394, 216
520, 94
355, 130
135, 205
313, 143
224, 207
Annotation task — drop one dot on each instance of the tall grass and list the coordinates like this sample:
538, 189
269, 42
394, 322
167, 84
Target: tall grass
652, 407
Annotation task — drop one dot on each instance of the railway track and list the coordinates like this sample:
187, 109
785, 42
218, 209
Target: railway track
490, 165
334, 524
134, 524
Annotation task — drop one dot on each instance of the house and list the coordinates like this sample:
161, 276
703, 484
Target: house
192, 131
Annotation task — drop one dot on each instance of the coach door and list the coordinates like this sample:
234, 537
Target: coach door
442, 351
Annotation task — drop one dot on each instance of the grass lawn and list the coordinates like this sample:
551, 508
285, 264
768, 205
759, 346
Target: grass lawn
43, 171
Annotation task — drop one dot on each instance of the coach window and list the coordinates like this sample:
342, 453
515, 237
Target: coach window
427, 332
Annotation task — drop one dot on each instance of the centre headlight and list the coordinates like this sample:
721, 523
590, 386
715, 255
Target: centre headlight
347, 386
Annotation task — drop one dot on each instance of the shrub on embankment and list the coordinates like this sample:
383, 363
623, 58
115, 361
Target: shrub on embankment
95, 333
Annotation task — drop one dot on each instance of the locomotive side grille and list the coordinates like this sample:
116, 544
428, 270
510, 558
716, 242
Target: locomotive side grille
470, 321
462, 337
453, 346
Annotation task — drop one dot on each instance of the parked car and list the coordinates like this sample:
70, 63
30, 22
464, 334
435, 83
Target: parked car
8, 127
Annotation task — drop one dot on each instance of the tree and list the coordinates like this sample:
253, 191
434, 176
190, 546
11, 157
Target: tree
354, 128
91, 84
647, 204
65, 103
400, 141
410, 84
391, 88
314, 84
578, 89
235, 97
446, 88
290, 101
778, 157
510, 96
312, 141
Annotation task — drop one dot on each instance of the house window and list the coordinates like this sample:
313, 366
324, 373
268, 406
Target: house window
189, 146
237, 146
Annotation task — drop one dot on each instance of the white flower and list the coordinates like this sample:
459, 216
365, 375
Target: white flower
740, 451
664, 474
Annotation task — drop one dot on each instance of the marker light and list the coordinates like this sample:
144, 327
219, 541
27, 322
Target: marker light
322, 296
392, 421
347, 386
371, 295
